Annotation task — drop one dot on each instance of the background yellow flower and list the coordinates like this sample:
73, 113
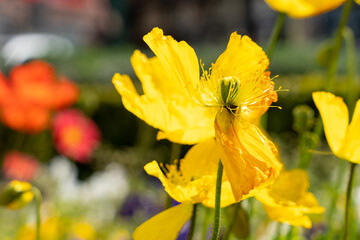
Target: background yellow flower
303, 8
343, 138
287, 199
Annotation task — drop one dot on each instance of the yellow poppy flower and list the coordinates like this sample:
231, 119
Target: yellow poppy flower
304, 8
51, 229
343, 138
235, 92
193, 182
83, 230
287, 200
16, 194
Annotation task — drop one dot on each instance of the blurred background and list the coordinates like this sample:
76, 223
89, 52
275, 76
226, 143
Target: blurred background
90, 40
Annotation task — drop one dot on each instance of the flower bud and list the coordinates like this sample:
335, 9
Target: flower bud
16, 195
303, 117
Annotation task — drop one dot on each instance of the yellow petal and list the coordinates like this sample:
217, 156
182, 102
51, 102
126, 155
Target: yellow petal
351, 146
287, 199
191, 123
165, 225
181, 189
151, 110
288, 215
178, 58
202, 159
16, 194
290, 185
246, 62
241, 56
248, 156
179, 119
294, 213
153, 77
310, 204
303, 8
335, 117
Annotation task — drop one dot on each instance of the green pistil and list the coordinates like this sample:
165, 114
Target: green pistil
229, 87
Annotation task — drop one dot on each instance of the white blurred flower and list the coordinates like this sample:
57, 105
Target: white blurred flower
111, 184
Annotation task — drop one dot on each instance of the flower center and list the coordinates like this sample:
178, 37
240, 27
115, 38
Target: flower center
230, 88
72, 136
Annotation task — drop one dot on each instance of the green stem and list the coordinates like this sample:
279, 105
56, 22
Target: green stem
38, 199
304, 161
334, 197
216, 227
278, 231
348, 198
193, 222
232, 223
306, 154
275, 34
350, 49
331, 73
291, 233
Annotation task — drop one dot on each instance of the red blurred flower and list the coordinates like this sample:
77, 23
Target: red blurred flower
75, 135
31, 93
20, 166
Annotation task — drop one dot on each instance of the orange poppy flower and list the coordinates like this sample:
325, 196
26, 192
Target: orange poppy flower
30, 95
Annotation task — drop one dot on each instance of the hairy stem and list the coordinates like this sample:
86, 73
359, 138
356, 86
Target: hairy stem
216, 227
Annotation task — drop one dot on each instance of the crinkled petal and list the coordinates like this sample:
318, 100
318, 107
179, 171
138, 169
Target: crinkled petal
151, 110
351, 146
248, 156
178, 58
154, 78
335, 117
179, 120
304, 8
242, 55
246, 62
184, 191
165, 225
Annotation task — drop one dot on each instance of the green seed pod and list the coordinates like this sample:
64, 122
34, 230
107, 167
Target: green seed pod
303, 118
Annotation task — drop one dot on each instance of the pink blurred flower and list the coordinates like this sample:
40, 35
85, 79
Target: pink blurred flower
75, 135
20, 166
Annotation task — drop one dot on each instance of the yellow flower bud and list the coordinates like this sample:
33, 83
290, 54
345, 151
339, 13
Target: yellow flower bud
16, 195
